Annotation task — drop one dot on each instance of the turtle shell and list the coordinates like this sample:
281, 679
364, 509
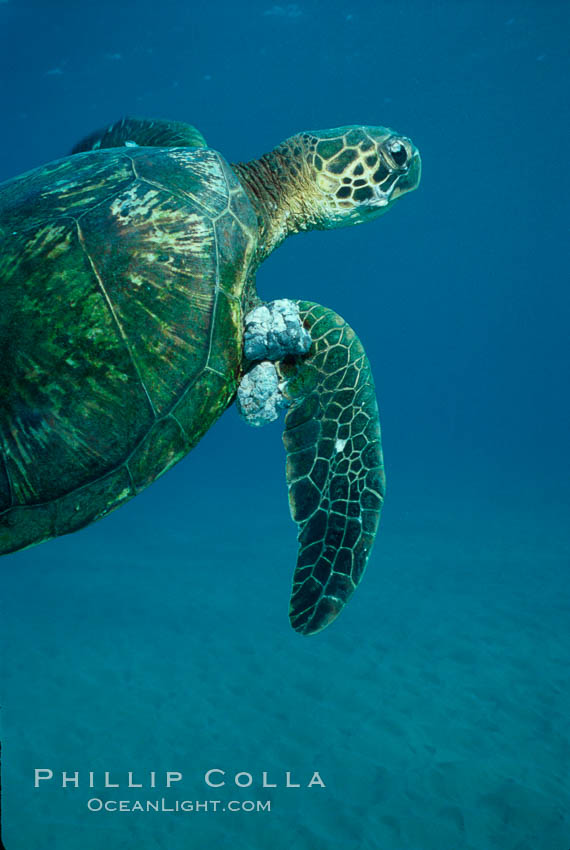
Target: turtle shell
122, 279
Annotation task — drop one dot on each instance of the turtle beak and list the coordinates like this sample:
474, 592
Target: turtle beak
408, 180
399, 182
381, 198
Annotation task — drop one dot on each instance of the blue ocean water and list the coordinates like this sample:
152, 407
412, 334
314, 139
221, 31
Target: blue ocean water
436, 708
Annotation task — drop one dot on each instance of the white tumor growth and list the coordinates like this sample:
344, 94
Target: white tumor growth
275, 330
259, 395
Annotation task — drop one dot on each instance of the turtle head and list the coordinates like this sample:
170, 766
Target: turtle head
357, 172
326, 179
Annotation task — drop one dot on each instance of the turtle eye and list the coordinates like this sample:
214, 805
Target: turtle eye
398, 152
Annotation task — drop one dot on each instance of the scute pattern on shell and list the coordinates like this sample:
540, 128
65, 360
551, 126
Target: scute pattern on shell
121, 278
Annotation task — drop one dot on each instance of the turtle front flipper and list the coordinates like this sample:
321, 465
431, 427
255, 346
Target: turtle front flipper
335, 470
142, 132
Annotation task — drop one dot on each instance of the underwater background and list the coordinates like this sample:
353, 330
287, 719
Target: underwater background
436, 709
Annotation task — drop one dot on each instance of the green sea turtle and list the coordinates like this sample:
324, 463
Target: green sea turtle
127, 276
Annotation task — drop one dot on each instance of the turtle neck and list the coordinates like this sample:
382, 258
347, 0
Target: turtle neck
279, 191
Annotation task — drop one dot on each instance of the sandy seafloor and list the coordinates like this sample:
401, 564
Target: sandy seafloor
436, 709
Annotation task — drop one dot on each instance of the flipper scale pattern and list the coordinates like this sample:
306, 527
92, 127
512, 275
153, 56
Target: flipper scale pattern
334, 470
